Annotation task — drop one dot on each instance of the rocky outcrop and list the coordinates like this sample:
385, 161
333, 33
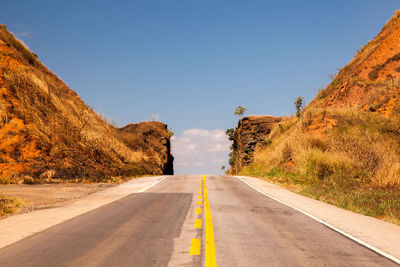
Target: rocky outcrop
251, 132
153, 138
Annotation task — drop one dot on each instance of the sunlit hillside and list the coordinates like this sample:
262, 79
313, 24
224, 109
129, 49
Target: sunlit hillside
344, 147
47, 132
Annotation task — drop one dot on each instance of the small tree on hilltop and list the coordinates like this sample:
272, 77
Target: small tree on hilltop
299, 104
239, 111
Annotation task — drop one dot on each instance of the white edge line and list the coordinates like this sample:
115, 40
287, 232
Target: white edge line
355, 239
153, 184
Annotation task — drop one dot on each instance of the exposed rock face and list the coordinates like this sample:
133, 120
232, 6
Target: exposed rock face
155, 139
251, 132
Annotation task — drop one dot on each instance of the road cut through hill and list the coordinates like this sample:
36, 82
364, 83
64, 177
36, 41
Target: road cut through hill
156, 228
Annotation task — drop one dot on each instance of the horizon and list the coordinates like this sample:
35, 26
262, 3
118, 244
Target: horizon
190, 64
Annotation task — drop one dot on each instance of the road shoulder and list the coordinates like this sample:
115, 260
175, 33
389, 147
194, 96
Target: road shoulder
19, 226
379, 234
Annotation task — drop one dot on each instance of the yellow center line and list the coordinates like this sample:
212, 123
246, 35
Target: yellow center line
198, 210
197, 223
211, 259
199, 203
195, 247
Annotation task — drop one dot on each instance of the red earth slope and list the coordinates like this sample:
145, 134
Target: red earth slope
48, 132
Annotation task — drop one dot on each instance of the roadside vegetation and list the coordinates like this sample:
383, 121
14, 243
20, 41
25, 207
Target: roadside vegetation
344, 146
9, 205
231, 133
346, 157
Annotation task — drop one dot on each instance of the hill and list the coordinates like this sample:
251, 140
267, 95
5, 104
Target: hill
371, 79
47, 132
344, 148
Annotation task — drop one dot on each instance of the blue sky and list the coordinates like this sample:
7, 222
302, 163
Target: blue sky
191, 62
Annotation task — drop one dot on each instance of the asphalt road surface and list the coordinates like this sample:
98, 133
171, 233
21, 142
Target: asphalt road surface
161, 227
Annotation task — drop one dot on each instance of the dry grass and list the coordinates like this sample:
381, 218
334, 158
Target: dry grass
350, 156
356, 195
355, 164
9, 205
360, 143
48, 132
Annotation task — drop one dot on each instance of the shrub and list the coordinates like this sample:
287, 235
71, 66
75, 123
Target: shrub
374, 73
9, 205
323, 165
373, 107
299, 104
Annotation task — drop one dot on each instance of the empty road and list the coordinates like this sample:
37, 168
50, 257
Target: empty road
184, 220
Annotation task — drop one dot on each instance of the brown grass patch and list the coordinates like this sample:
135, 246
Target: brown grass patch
9, 205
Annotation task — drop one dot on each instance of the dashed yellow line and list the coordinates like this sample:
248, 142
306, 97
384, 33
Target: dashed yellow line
211, 259
197, 223
195, 247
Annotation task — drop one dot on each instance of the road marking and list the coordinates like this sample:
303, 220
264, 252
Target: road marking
199, 203
355, 239
211, 259
153, 184
195, 247
198, 210
200, 197
197, 223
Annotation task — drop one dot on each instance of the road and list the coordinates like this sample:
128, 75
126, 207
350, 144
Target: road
162, 225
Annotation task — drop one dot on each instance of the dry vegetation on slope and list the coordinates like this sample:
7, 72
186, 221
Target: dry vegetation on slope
352, 162
345, 148
47, 132
371, 80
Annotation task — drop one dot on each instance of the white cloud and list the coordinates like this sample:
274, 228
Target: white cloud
200, 151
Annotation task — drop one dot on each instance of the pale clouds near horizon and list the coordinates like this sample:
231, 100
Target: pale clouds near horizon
200, 151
